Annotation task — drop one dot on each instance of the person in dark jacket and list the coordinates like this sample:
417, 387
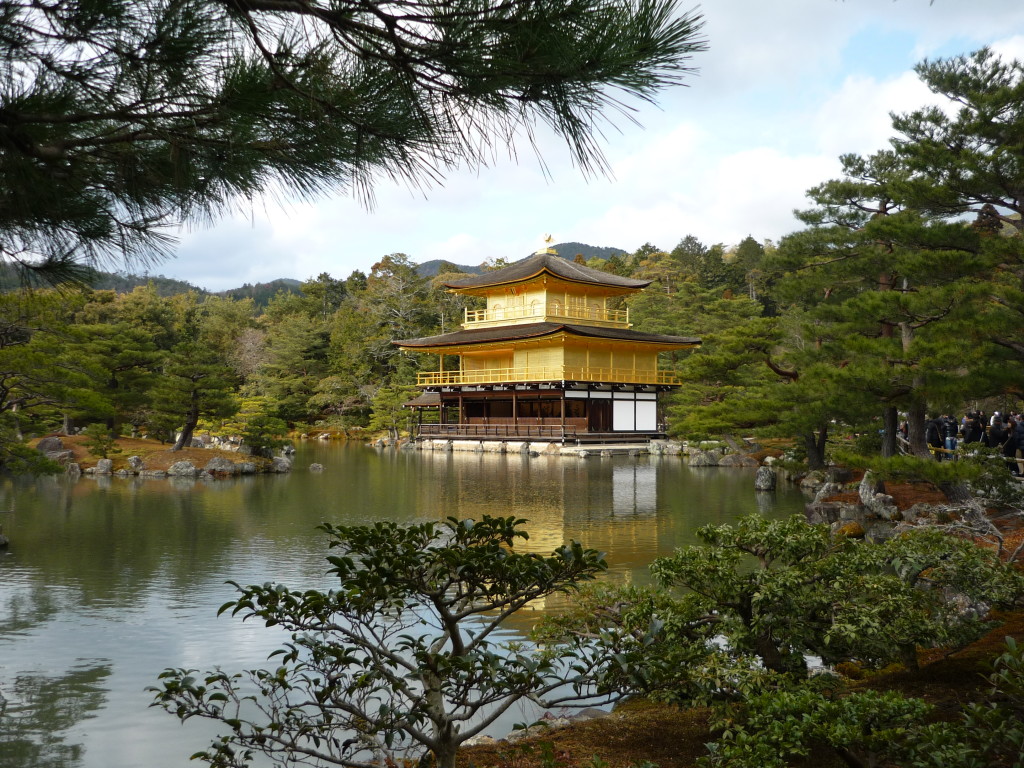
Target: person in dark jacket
996, 435
973, 430
1017, 438
933, 435
1009, 444
950, 430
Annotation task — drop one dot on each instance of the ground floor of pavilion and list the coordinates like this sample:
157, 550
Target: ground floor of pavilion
557, 411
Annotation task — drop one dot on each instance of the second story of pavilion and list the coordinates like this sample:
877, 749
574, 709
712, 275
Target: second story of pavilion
547, 321
545, 288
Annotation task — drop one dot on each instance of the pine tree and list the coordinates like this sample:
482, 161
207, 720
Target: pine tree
120, 118
195, 383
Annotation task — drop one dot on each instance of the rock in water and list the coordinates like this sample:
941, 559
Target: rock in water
765, 479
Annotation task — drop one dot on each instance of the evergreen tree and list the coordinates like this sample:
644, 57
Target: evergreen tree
972, 160
43, 376
892, 298
325, 294
295, 361
118, 118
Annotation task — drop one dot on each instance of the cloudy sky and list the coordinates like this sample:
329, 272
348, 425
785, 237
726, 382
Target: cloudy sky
785, 88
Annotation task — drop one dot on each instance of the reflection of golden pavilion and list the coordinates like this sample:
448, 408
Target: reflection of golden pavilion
549, 358
610, 504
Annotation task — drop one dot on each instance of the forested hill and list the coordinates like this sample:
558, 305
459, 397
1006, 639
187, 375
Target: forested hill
10, 280
260, 293
119, 282
565, 250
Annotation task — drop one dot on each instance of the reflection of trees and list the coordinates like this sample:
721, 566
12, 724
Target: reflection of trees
21, 609
38, 712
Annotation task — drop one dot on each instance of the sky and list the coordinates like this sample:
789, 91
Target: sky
785, 88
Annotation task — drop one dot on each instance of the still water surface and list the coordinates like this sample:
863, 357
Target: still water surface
108, 580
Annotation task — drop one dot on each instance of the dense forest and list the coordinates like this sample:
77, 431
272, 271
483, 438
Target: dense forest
902, 297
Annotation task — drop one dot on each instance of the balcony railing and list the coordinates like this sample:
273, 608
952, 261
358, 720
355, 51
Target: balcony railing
554, 311
546, 373
500, 431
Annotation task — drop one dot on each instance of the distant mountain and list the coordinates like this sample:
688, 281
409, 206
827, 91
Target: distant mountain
565, 250
262, 293
120, 282
12, 280
437, 266
588, 252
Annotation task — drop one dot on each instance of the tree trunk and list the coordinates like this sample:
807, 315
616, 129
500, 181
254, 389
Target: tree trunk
815, 445
445, 758
915, 431
850, 758
185, 438
891, 420
777, 661
957, 491
908, 655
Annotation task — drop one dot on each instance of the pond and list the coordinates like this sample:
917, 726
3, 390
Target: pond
108, 581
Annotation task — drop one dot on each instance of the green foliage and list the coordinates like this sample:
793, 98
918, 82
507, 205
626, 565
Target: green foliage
16, 457
181, 108
785, 589
760, 596
100, 440
195, 383
648, 642
772, 729
259, 430
871, 728
388, 413
264, 434
400, 658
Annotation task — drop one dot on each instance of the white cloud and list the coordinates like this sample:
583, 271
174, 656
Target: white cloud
856, 118
784, 90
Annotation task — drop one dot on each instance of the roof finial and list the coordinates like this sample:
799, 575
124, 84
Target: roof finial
547, 239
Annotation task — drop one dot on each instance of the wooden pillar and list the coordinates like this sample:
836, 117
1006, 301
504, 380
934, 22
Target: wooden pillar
562, 402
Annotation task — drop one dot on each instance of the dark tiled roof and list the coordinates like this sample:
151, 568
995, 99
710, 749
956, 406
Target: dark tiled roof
424, 399
537, 330
554, 264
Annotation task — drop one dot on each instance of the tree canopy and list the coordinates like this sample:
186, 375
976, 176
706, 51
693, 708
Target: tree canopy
119, 119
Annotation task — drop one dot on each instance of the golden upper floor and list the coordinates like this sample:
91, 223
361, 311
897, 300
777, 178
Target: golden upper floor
547, 288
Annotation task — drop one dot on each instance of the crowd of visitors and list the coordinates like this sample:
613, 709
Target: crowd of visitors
1003, 431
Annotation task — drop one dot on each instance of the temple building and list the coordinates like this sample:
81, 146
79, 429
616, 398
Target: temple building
548, 358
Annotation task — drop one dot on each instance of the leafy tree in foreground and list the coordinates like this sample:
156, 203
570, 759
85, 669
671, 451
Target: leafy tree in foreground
777, 591
119, 118
812, 592
873, 728
399, 660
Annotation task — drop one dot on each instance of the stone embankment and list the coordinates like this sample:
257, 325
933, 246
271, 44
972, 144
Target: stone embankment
195, 462
705, 454
700, 455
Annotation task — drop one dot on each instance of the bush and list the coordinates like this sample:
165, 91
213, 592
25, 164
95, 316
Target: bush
401, 660
100, 441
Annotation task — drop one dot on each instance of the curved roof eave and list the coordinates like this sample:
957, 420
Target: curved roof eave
533, 266
540, 330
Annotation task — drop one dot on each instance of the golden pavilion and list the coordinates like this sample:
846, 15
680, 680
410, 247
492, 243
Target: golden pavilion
547, 359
